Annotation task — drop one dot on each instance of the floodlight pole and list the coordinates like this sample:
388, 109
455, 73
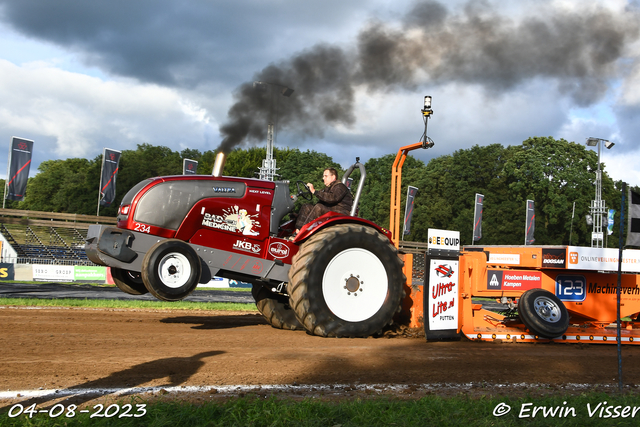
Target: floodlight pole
598, 208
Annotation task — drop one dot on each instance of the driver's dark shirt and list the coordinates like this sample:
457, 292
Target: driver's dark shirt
337, 197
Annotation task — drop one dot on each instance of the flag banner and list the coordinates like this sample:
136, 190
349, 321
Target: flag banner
477, 218
110, 161
408, 210
633, 228
19, 164
189, 167
531, 223
610, 221
349, 183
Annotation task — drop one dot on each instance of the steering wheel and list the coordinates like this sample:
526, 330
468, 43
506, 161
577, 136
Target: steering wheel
304, 192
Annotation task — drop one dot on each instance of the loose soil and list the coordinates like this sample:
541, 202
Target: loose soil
74, 348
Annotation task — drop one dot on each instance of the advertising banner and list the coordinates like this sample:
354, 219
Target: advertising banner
7, 271
83, 273
408, 211
610, 216
19, 164
53, 273
504, 259
110, 161
442, 308
554, 258
189, 167
633, 228
443, 239
602, 259
513, 280
477, 218
349, 183
530, 224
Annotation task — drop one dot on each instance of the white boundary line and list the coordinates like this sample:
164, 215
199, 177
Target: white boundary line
304, 389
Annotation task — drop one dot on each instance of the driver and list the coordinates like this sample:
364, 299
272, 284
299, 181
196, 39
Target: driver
334, 197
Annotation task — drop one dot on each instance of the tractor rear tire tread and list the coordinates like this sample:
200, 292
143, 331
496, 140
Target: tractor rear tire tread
304, 298
275, 309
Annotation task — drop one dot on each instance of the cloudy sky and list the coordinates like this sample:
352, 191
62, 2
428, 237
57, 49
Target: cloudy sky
78, 76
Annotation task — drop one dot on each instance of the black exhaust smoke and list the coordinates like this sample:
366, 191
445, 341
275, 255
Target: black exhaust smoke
578, 50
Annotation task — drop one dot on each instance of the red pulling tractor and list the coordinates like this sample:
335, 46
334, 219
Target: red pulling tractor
339, 277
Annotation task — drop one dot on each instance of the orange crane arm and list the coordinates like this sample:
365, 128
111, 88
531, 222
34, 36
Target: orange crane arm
396, 190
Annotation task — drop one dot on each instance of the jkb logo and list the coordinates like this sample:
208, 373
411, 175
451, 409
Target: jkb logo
247, 246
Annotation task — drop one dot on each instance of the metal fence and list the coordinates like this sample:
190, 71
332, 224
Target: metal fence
418, 249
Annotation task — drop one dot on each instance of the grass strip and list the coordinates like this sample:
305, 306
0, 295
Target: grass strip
130, 304
587, 409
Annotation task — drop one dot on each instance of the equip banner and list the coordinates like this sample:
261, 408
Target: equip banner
531, 223
477, 218
19, 163
408, 210
189, 167
110, 161
443, 239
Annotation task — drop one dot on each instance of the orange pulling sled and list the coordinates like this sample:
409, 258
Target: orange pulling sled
544, 293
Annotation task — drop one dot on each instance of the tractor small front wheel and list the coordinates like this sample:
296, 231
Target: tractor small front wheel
171, 270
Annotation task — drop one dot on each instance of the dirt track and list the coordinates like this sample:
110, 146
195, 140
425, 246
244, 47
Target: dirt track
89, 348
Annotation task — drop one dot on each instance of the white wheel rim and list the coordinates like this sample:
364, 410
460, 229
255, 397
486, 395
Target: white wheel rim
355, 285
547, 309
174, 270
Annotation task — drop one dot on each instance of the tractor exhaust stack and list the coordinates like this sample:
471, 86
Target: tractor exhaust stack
218, 165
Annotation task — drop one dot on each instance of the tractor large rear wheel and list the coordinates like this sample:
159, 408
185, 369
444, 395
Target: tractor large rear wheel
129, 282
346, 281
275, 308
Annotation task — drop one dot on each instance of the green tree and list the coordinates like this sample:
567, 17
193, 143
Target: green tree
555, 174
64, 186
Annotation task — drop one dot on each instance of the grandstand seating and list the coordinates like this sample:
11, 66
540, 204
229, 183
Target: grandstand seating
47, 238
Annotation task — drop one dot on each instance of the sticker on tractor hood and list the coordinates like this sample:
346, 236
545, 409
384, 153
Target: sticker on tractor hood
247, 246
278, 250
233, 219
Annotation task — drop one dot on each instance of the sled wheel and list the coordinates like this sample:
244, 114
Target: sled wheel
129, 282
171, 270
275, 308
346, 281
543, 313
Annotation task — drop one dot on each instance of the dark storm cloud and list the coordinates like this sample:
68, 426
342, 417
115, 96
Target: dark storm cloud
577, 50
167, 42
191, 44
